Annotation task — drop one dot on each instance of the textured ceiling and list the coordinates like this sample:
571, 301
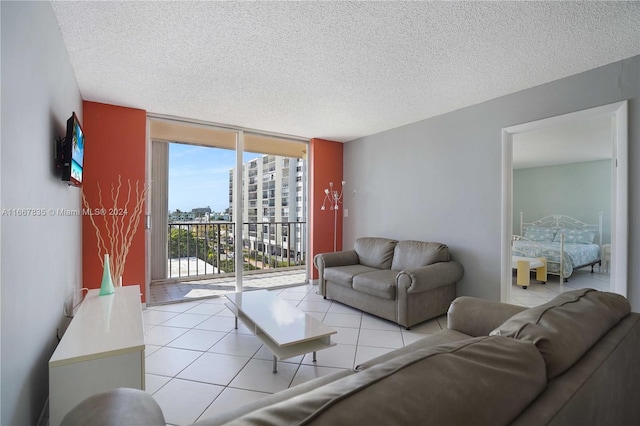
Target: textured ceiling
574, 142
335, 70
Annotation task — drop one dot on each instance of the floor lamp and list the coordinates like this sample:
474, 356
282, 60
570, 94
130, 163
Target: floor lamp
333, 198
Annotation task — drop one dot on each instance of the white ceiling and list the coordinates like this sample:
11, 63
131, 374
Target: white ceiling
334, 70
575, 142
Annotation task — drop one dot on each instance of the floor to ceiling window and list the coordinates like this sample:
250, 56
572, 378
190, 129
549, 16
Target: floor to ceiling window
204, 224
200, 228
274, 214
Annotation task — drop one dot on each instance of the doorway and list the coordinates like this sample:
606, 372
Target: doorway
619, 190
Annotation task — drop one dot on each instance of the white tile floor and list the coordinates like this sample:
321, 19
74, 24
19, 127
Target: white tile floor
198, 364
162, 293
537, 293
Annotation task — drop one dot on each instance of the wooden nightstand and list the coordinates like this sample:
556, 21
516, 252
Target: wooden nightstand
606, 257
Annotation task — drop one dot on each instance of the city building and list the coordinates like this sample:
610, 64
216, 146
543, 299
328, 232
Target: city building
201, 211
275, 218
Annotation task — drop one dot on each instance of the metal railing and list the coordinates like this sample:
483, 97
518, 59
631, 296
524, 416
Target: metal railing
202, 249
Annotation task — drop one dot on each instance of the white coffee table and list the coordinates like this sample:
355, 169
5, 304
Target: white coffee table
286, 330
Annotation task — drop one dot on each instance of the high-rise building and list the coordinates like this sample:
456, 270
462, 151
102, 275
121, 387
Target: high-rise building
274, 200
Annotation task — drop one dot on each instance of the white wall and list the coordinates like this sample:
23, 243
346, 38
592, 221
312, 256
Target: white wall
440, 179
41, 256
580, 190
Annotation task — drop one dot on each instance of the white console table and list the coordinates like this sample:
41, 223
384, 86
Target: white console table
102, 349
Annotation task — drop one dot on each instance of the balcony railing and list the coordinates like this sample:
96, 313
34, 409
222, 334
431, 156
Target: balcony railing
201, 249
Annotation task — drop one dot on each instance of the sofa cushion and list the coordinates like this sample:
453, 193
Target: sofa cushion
343, 275
485, 380
566, 327
430, 340
375, 252
227, 414
415, 254
378, 283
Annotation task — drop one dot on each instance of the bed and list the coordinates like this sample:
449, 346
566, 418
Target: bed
566, 243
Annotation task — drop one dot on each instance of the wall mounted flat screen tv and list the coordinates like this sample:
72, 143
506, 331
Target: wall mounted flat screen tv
72, 160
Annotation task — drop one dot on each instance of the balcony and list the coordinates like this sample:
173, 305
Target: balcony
201, 259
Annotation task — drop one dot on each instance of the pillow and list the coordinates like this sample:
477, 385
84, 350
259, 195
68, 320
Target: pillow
375, 252
575, 236
414, 254
566, 327
539, 233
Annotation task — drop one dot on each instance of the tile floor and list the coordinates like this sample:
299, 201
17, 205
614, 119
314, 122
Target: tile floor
162, 293
537, 294
198, 364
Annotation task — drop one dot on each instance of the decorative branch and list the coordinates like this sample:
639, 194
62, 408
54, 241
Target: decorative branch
102, 247
115, 232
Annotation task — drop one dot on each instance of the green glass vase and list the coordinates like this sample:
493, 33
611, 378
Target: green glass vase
106, 287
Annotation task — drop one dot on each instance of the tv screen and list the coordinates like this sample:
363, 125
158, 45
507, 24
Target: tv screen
73, 152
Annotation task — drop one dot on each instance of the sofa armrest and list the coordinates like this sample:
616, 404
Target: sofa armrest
428, 277
337, 258
478, 317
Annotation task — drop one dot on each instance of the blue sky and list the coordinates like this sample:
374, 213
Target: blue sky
199, 176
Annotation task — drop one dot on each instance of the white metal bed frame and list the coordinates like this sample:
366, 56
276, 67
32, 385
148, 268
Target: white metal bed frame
558, 221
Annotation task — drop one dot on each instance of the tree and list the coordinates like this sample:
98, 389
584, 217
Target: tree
182, 243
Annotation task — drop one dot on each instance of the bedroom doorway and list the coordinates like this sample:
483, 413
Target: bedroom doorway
617, 115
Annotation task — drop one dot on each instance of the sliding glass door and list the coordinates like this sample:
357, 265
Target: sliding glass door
274, 211
225, 202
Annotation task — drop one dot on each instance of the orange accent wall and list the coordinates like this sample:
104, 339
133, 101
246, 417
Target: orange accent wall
326, 166
115, 145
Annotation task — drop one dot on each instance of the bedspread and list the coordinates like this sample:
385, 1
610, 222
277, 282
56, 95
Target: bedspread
575, 255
